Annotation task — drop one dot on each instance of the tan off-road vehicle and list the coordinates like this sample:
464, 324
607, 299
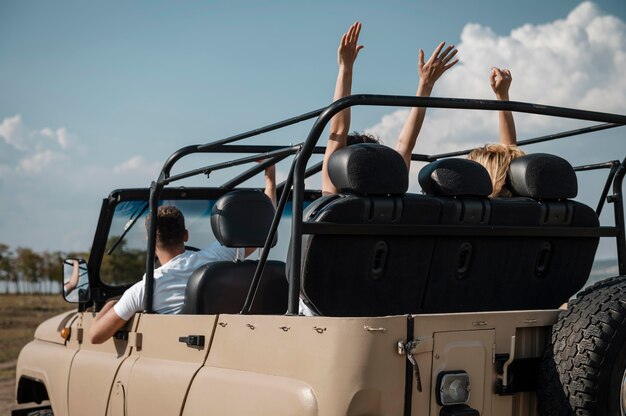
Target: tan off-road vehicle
441, 303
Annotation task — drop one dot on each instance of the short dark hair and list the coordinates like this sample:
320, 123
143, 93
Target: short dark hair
356, 137
170, 226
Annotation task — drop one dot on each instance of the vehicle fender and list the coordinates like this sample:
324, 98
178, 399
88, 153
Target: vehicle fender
50, 330
222, 391
47, 363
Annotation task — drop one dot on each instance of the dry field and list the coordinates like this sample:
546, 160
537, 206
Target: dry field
19, 316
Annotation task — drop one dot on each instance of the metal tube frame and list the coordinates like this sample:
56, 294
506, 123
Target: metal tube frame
303, 153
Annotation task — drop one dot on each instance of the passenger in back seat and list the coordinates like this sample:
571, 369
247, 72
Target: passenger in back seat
429, 72
496, 158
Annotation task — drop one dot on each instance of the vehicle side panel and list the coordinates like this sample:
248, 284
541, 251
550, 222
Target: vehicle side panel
94, 368
163, 366
326, 366
222, 391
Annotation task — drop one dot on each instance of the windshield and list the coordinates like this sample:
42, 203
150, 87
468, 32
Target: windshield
124, 260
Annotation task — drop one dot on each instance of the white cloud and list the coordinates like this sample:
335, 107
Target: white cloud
134, 164
21, 137
11, 132
136, 171
40, 161
574, 62
60, 135
36, 150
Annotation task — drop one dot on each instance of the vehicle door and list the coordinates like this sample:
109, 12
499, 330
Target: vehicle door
155, 378
95, 366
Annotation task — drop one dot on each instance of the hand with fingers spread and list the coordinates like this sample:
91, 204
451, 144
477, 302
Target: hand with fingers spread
438, 63
340, 123
348, 48
500, 80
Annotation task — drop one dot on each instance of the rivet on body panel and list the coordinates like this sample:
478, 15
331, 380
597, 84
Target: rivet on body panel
250, 326
319, 330
285, 328
223, 324
373, 329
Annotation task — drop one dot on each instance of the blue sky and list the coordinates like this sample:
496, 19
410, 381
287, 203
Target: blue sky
96, 95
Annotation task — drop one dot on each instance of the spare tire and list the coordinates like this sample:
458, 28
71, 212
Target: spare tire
583, 367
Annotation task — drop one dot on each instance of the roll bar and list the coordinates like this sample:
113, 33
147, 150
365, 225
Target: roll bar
298, 171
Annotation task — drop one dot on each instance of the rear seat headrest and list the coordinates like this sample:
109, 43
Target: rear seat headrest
368, 169
542, 176
242, 218
455, 177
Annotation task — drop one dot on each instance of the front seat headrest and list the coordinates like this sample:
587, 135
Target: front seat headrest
542, 176
368, 169
455, 177
242, 218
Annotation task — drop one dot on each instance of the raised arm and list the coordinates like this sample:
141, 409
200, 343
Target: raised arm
500, 82
340, 123
270, 183
429, 72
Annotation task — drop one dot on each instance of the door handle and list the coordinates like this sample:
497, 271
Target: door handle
193, 340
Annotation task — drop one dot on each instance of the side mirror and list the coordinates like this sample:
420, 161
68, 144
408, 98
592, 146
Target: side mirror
75, 281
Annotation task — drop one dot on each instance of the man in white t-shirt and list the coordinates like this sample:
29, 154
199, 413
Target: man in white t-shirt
170, 279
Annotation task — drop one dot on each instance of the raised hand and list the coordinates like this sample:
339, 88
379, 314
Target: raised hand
348, 48
500, 80
438, 63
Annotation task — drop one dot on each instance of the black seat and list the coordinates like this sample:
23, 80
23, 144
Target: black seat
517, 271
239, 219
367, 275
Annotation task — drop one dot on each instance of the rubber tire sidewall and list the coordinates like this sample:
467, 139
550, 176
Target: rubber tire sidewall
584, 363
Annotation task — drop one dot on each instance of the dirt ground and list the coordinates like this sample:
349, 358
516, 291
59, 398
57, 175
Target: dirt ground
7, 388
19, 317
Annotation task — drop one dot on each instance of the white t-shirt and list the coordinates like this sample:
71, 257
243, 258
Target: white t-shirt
170, 280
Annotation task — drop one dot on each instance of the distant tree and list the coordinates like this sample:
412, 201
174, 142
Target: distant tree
52, 269
29, 265
7, 265
5, 261
124, 265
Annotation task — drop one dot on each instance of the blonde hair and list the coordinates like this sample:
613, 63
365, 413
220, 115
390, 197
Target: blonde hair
496, 158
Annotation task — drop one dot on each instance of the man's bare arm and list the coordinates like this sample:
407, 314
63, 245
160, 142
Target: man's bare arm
105, 324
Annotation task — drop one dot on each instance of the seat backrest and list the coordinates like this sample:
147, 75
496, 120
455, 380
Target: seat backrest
222, 287
240, 218
366, 275
516, 271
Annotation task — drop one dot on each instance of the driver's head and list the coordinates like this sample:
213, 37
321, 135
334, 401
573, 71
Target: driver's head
171, 232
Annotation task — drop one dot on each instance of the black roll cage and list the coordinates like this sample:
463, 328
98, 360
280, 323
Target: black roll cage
298, 172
